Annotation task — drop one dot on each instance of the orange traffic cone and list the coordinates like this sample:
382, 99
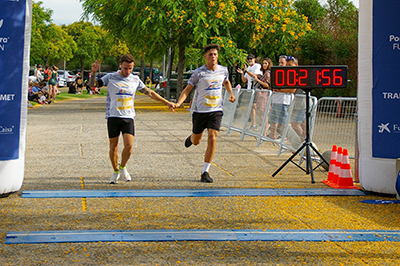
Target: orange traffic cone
332, 165
337, 166
345, 179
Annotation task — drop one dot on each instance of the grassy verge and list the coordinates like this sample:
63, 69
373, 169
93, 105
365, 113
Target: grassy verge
65, 96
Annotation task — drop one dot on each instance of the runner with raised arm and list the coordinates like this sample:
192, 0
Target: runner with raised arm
120, 112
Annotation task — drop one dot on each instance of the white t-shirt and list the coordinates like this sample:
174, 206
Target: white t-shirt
121, 94
209, 90
256, 69
282, 98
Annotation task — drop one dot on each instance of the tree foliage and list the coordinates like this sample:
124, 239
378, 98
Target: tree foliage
88, 39
333, 40
239, 26
49, 42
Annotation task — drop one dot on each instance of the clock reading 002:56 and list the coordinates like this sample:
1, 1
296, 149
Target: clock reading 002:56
308, 77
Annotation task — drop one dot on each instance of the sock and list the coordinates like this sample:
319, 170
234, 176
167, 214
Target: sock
206, 167
122, 167
116, 171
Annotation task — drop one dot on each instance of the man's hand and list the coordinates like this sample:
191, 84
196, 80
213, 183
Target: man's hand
174, 106
171, 106
232, 98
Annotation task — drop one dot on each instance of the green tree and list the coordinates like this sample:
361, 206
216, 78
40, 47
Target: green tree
238, 26
49, 43
333, 41
312, 9
89, 40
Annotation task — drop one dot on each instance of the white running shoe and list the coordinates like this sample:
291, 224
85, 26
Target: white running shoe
114, 178
125, 175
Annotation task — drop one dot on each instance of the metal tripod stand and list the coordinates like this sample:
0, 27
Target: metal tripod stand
307, 145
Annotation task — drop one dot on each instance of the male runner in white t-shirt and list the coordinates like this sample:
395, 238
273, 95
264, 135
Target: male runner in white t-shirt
209, 80
120, 111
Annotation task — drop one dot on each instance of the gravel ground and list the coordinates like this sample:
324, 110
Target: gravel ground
67, 148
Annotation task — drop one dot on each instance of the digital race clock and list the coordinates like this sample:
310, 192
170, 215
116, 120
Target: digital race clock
308, 77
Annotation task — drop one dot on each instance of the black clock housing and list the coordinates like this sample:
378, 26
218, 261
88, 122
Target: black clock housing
308, 77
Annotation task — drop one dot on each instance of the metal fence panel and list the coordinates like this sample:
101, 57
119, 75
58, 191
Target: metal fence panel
229, 109
335, 123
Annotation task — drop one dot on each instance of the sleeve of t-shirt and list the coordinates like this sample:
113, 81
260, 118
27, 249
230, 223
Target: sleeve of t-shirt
226, 74
103, 81
194, 78
141, 85
257, 70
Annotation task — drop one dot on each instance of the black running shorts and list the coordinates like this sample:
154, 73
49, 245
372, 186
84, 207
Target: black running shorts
201, 121
117, 125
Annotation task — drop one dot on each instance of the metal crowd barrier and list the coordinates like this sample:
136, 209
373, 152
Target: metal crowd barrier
237, 117
332, 121
336, 123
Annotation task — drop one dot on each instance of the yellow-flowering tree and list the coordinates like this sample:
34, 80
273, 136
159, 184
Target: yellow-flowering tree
267, 27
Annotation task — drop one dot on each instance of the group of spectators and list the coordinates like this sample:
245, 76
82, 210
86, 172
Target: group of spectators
258, 77
77, 86
44, 87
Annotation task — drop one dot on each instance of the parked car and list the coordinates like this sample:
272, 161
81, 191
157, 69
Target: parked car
67, 76
155, 73
61, 82
173, 84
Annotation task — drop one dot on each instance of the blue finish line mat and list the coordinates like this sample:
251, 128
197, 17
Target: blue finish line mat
42, 237
189, 193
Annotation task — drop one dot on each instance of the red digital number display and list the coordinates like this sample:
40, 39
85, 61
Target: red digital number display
308, 77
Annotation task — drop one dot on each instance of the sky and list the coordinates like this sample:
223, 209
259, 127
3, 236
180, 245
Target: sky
69, 11
64, 11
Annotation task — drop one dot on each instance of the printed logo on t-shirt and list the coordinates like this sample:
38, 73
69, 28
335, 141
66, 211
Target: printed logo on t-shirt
213, 85
124, 103
124, 92
211, 100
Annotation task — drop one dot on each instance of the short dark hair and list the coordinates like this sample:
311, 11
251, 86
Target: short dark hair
211, 46
127, 58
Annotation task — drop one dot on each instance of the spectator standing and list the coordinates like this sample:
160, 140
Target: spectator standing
282, 60
209, 80
263, 83
79, 83
281, 99
255, 69
38, 73
46, 73
120, 111
53, 82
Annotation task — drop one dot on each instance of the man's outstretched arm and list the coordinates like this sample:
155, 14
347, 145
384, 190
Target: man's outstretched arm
155, 96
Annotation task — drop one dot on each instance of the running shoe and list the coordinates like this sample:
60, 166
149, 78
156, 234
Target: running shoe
205, 177
188, 142
253, 127
125, 175
114, 178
